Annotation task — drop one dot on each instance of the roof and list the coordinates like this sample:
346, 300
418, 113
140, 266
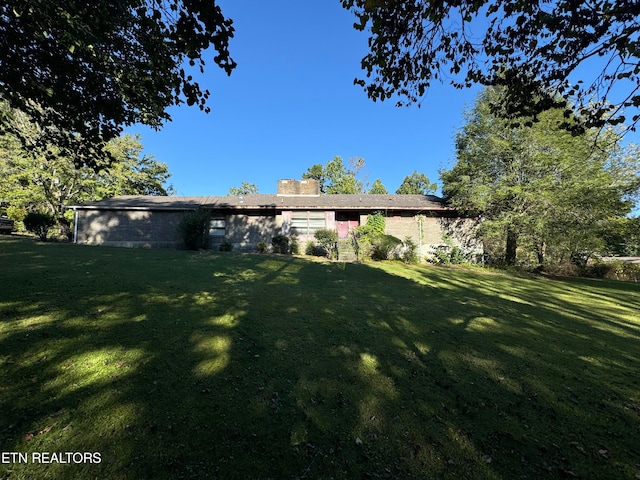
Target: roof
272, 201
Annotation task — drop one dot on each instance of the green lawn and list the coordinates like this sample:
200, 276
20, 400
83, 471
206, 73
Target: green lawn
177, 365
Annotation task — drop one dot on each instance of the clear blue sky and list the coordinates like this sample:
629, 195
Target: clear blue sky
291, 103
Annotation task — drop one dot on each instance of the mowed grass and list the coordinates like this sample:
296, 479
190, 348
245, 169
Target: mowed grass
178, 365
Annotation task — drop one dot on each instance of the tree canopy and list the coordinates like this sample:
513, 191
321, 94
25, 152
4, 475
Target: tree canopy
89, 68
336, 177
45, 178
245, 188
378, 188
528, 47
538, 186
416, 184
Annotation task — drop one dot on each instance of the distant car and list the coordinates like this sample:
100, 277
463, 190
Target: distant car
6, 224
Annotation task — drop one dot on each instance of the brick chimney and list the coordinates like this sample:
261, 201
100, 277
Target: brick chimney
306, 187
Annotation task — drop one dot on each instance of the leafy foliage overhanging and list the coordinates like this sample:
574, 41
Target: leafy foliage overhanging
529, 47
89, 68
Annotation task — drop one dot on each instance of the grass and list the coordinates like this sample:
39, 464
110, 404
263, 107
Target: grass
175, 365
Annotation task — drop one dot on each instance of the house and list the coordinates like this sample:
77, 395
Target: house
297, 209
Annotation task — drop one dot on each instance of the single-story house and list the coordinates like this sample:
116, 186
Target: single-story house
297, 209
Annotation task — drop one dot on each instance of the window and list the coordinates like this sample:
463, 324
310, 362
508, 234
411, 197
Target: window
217, 227
307, 223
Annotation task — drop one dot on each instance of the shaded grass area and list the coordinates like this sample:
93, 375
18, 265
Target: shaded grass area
177, 365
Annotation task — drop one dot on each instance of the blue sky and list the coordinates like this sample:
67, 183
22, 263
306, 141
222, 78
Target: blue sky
291, 103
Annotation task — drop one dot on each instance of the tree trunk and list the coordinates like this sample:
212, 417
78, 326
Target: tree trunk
512, 245
541, 248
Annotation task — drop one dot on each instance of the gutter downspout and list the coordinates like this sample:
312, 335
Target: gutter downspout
75, 225
420, 237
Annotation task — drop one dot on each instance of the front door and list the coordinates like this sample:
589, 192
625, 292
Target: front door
346, 221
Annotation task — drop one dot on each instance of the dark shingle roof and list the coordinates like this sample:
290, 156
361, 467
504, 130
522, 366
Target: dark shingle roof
272, 201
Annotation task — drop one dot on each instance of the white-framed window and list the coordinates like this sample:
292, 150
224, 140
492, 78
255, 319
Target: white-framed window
217, 227
307, 223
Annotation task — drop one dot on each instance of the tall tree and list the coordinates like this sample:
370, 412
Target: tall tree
316, 172
538, 183
335, 177
245, 188
378, 188
132, 172
90, 68
529, 47
623, 239
417, 184
44, 177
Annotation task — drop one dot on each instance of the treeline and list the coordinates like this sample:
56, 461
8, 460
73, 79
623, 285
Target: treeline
38, 176
544, 193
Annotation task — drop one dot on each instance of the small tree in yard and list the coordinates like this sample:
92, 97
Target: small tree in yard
328, 239
39, 224
192, 229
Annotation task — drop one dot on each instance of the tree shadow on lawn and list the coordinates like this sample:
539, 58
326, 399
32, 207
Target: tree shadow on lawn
272, 367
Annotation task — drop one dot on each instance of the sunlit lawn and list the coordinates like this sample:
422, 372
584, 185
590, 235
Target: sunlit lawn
177, 365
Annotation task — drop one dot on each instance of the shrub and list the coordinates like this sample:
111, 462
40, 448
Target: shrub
409, 252
328, 240
309, 246
361, 241
375, 225
314, 250
226, 246
18, 214
385, 247
262, 247
630, 272
295, 245
449, 253
280, 244
39, 224
365, 236
193, 229
615, 271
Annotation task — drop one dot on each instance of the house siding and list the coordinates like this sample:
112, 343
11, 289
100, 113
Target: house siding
428, 232
245, 231
129, 228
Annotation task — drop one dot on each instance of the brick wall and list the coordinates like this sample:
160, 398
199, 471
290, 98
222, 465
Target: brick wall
460, 231
131, 228
128, 228
245, 231
298, 187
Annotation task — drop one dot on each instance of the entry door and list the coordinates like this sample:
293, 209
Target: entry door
345, 222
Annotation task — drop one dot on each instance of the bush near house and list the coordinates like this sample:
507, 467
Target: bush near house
281, 244
363, 236
448, 253
39, 224
192, 229
385, 247
226, 246
295, 245
409, 252
328, 240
